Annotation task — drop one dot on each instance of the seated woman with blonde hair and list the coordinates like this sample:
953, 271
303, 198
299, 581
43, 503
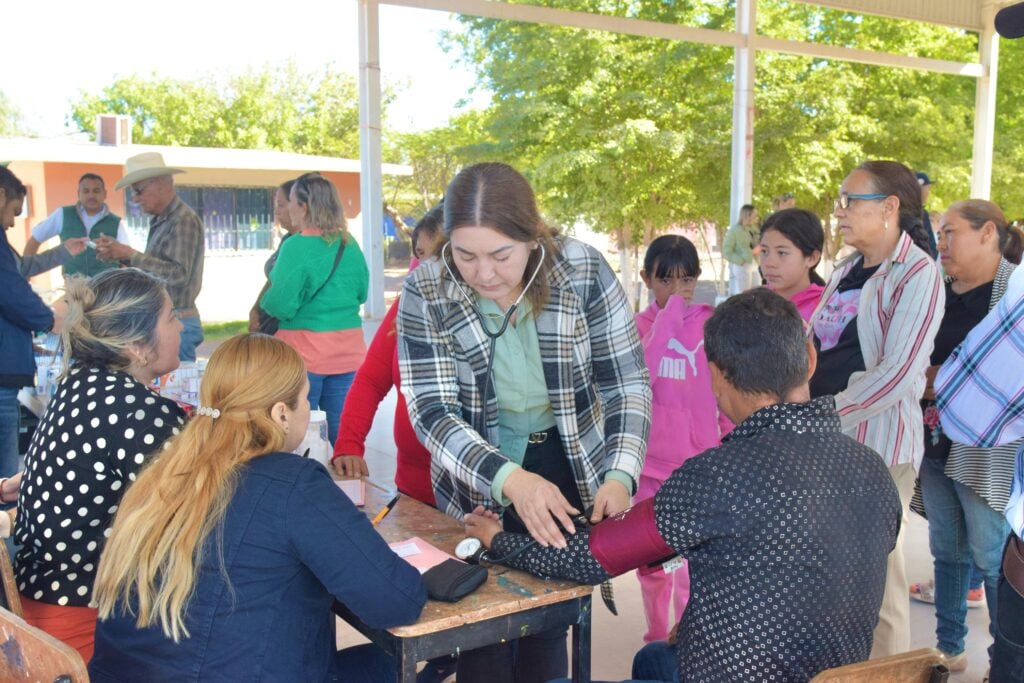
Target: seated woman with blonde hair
228, 552
100, 428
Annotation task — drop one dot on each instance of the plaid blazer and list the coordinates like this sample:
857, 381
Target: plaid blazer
593, 365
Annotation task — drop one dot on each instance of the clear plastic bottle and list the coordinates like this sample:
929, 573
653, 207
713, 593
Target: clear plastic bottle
316, 438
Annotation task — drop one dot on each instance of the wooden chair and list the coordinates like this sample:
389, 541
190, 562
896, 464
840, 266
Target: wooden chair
910, 667
10, 599
30, 654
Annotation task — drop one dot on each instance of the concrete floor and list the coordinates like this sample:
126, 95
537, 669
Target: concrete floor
617, 638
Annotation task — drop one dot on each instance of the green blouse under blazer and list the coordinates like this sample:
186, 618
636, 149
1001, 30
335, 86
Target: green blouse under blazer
593, 366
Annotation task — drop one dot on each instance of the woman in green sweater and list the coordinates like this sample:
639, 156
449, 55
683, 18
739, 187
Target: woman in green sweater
316, 288
738, 249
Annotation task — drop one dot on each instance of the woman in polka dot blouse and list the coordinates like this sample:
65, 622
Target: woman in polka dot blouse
102, 425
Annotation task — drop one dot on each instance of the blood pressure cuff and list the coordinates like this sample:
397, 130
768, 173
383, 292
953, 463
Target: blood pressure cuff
628, 540
453, 580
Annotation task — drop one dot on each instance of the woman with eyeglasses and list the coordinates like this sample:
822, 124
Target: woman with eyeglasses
316, 288
525, 380
874, 329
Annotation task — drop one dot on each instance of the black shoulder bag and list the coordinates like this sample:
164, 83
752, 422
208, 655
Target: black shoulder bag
269, 324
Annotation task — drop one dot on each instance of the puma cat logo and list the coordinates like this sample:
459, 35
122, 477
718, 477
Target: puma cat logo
675, 368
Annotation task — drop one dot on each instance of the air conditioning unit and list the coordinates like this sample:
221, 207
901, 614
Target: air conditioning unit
113, 129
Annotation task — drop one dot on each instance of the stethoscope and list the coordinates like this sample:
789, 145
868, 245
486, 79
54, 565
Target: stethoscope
493, 336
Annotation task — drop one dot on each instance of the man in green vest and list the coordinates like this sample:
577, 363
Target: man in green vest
90, 218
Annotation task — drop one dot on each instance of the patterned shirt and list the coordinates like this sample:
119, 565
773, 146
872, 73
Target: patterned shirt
97, 433
787, 526
980, 389
175, 251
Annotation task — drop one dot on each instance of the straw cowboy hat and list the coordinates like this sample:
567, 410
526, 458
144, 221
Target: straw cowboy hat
144, 166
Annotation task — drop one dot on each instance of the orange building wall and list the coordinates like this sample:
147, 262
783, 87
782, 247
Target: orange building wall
348, 188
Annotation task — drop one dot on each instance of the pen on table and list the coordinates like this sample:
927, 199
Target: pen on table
385, 510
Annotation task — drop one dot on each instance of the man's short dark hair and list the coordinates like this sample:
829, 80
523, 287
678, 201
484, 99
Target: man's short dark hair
757, 340
92, 176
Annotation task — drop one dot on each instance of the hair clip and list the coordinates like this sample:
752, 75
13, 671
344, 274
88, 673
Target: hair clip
206, 410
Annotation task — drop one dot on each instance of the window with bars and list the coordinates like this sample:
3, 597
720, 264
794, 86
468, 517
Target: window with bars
235, 218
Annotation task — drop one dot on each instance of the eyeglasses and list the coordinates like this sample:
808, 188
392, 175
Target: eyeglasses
140, 187
843, 202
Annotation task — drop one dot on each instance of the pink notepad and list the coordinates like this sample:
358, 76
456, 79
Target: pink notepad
419, 553
355, 489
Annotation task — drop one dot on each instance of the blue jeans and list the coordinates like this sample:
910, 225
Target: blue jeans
364, 664
655, 663
191, 338
961, 527
1008, 650
9, 418
327, 393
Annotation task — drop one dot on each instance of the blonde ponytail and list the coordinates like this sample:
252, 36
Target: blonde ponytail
166, 516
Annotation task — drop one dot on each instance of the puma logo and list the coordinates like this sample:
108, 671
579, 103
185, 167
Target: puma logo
675, 368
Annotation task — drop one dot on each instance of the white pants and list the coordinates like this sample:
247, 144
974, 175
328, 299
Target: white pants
742, 278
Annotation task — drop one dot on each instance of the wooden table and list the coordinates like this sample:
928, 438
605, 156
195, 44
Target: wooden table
511, 604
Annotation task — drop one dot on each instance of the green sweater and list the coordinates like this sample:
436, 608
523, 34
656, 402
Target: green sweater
302, 266
739, 242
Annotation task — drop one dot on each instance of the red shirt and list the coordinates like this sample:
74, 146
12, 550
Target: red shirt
373, 381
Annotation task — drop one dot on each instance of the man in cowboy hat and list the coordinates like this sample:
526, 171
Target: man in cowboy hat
175, 248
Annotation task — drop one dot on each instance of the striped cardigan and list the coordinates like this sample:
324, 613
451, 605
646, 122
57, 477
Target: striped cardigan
593, 364
900, 309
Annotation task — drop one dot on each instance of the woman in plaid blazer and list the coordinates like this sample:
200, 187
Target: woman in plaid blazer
548, 415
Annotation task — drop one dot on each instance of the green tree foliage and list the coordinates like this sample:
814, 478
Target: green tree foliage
11, 122
435, 155
633, 135
1008, 164
282, 108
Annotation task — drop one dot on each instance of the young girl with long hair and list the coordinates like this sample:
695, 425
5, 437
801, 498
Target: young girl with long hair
791, 244
685, 419
229, 550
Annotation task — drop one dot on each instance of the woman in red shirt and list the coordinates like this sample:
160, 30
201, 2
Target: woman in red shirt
373, 381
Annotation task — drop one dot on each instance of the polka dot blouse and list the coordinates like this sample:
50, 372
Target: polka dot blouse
787, 526
97, 433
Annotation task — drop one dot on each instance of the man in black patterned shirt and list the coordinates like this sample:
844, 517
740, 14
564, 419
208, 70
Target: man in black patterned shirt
787, 525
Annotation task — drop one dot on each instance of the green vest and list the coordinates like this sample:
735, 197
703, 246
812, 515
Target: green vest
86, 263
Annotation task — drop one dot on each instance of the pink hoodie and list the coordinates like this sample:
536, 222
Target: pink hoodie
685, 419
807, 300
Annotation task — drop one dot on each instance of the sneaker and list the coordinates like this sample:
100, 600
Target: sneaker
923, 592
956, 663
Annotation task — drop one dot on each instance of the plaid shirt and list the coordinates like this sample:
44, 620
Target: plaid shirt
980, 388
900, 311
592, 359
174, 251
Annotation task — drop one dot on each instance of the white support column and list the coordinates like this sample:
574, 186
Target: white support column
741, 188
371, 190
985, 105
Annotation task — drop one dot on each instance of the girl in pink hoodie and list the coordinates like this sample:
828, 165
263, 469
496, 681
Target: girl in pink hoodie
791, 244
685, 420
